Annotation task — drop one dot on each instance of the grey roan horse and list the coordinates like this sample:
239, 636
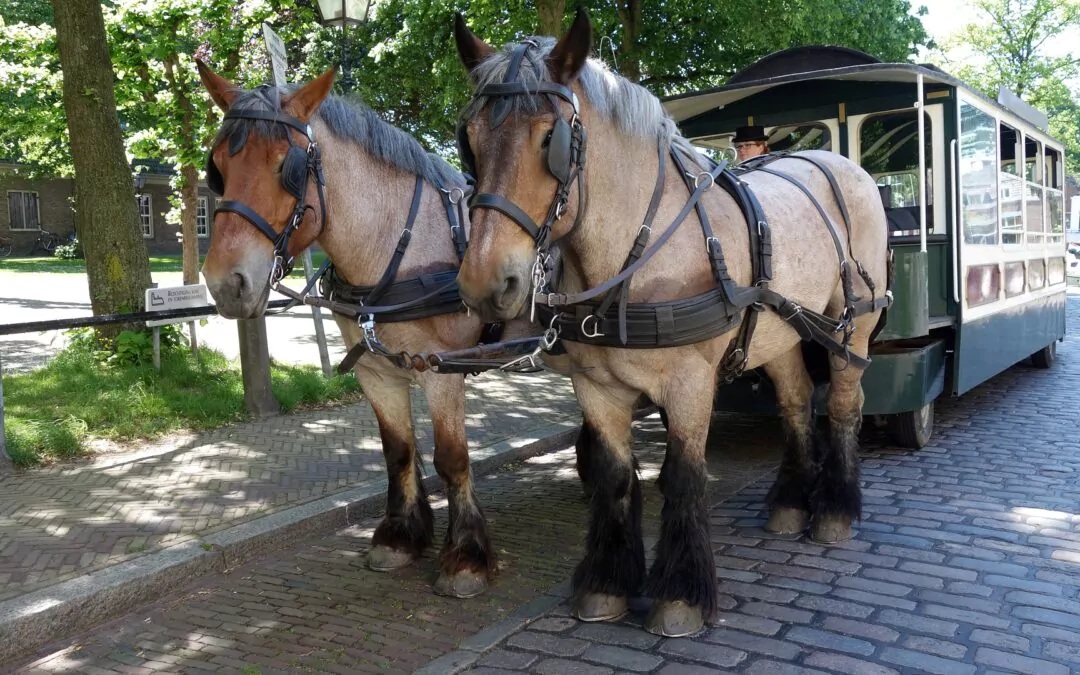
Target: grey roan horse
785, 280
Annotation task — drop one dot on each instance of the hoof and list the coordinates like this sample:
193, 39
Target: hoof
674, 619
599, 607
384, 559
464, 584
831, 530
787, 520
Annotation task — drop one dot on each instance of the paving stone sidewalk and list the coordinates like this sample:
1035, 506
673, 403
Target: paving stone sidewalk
317, 608
64, 521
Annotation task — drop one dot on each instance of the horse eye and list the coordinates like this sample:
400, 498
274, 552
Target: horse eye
547, 139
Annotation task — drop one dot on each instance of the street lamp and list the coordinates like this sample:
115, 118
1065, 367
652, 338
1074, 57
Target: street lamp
344, 13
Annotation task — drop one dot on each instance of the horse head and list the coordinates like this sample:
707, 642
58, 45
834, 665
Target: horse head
264, 163
523, 138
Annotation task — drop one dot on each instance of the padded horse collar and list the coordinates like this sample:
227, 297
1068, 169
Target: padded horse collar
299, 164
565, 154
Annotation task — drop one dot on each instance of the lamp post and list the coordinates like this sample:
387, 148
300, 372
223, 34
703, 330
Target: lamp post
344, 13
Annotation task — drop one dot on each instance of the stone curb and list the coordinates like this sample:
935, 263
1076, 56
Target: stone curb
44, 616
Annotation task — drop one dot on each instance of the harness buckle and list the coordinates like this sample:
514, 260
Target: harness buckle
709, 241
594, 327
368, 326
761, 227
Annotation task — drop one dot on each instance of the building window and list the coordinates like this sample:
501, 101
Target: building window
202, 218
146, 215
23, 210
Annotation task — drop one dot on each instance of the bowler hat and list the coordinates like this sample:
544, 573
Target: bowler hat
748, 134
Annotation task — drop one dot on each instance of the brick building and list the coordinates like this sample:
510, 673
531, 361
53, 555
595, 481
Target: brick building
30, 205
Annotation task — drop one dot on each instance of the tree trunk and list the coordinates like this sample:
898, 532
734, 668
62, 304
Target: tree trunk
629, 61
189, 174
550, 14
106, 215
189, 196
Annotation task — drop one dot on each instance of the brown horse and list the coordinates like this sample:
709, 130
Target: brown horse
524, 133
260, 163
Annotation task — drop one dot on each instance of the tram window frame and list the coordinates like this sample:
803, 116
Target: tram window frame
1010, 178
1035, 225
1054, 204
903, 207
989, 164
717, 145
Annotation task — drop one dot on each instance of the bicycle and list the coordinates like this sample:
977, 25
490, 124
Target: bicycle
46, 241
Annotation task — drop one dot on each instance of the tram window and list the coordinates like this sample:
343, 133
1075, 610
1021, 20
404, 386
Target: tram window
1012, 186
978, 175
1034, 195
889, 149
783, 138
1055, 199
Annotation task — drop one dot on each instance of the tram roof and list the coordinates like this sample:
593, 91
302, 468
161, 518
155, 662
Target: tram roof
816, 62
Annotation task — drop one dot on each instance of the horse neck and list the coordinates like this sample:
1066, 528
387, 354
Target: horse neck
368, 204
620, 178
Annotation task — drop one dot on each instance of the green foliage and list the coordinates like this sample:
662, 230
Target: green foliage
52, 413
69, 250
410, 72
1011, 37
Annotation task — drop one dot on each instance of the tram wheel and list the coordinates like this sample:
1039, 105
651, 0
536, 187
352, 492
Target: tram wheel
1044, 358
913, 429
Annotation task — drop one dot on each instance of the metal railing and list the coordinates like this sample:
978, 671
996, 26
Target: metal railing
254, 355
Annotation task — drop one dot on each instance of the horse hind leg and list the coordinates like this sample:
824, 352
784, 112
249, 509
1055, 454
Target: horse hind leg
408, 526
836, 501
789, 497
467, 562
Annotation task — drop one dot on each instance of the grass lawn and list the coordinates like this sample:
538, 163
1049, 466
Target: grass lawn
50, 413
173, 263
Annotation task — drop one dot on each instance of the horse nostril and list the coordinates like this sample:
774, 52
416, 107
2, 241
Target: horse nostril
510, 286
241, 284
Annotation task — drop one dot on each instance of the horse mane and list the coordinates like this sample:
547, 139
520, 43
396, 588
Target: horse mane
633, 109
347, 119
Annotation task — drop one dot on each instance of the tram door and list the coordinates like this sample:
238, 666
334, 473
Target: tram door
886, 145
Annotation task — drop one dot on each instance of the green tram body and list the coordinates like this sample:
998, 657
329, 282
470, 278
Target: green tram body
984, 288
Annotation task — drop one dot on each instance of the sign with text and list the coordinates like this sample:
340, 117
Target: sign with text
175, 297
275, 46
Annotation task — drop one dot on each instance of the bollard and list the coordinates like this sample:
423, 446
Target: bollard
320, 334
6, 467
255, 368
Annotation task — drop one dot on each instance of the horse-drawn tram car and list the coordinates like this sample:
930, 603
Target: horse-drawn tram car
972, 189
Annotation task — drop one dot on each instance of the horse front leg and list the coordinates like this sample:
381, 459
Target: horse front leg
613, 567
408, 526
467, 561
789, 497
682, 580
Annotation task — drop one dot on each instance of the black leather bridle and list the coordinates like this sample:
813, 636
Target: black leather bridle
297, 168
565, 157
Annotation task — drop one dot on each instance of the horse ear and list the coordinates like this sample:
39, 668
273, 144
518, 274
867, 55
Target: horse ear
304, 101
221, 90
567, 58
471, 49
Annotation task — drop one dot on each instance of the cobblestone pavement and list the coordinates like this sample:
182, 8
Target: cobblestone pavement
967, 561
63, 521
317, 608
